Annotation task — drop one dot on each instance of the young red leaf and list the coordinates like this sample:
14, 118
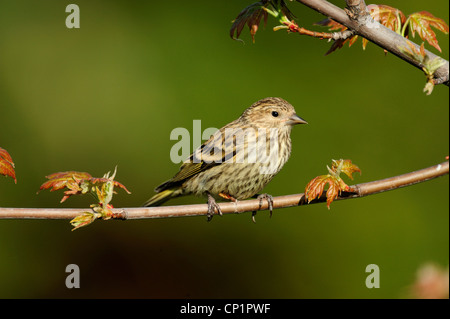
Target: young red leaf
101, 180
81, 183
4, 153
252, 15
352, 40
346, 167
364, 43
71, 180
7, 165
390, 17
315, 188
336, 185
335, 188
421, 22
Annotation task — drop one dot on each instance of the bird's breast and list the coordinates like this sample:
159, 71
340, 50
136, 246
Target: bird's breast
245, 175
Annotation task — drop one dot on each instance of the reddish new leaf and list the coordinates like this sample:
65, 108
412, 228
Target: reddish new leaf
71, 180
252, 15
101, 180
7, 165
346, 167
315, 188
421, 22
81, 183
5, 155
390, 17
336, 185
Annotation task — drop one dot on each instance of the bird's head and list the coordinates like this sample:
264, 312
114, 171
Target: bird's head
272, 112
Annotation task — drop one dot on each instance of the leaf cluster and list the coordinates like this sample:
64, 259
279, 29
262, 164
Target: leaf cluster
80, 183
336, 185
394, 19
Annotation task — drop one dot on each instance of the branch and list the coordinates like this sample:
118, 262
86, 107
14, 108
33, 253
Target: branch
356, 18
359, 190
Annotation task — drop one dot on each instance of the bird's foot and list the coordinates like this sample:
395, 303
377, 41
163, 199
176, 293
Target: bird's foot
269, 199
212, 206
261, 197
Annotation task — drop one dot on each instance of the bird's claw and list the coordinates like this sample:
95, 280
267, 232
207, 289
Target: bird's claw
269, 199
253, 216
212, 206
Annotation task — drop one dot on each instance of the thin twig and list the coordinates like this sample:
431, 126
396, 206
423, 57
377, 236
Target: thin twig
359, 190
342, 35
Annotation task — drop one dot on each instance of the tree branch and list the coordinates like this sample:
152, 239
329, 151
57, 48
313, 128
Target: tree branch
356, 18
359, 190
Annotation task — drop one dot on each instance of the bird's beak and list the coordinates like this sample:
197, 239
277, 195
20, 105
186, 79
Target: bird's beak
295, 119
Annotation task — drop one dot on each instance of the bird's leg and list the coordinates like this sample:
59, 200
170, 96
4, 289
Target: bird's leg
234, 200
226, 196
212, 205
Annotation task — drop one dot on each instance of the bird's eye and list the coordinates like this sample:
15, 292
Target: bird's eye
274, 113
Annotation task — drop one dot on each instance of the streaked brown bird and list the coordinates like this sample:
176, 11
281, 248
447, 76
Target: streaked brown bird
238, 160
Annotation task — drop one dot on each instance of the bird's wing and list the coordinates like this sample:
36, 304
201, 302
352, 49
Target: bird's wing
213, 152
209, 154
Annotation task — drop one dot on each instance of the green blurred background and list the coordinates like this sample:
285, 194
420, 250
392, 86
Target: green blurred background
111, 92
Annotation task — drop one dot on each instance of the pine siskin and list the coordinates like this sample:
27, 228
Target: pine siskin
239, 160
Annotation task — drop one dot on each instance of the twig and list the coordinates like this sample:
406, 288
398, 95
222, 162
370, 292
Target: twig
342, 35
356, 18
359, 190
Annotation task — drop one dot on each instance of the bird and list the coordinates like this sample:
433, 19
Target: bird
234, 163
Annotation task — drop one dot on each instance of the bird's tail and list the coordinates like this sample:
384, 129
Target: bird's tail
161, 197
